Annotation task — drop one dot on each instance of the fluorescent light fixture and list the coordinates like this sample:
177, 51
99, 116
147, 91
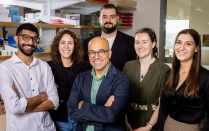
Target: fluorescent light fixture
6, 2
198, 8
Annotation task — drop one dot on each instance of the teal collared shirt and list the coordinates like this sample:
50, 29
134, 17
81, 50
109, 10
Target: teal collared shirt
96, 82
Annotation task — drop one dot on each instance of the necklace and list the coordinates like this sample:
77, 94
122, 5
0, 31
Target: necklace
143, 73
184, 72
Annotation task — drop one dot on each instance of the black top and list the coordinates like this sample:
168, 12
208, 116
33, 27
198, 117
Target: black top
185, 109
64, 78
122, 49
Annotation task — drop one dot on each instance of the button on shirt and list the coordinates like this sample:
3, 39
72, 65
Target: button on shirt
29, 81
94, 89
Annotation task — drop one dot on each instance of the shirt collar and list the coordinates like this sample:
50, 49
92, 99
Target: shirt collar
16, 59
105, 74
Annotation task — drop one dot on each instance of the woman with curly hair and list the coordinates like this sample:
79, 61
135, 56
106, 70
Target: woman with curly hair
67, 62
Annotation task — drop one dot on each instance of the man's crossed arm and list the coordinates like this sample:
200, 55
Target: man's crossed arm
37, 103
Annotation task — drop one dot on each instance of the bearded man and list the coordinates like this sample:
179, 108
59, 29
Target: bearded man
122, 45
27, 85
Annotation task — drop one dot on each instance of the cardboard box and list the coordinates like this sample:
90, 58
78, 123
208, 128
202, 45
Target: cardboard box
4, 10
83, 19
5, 18
63, 12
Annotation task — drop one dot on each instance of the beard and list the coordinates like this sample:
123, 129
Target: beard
109, 30
26, 52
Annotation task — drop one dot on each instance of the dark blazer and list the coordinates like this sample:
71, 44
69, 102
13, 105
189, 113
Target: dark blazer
103, 118
122, 49
65, 85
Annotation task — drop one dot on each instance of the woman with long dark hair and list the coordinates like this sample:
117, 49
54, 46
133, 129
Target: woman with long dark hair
67, 62
185, 96
146, 74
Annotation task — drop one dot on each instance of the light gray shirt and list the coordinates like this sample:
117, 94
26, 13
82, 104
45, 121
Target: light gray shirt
29, 81
111, 41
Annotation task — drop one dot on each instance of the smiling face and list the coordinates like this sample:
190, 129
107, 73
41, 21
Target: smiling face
143, 45
185, 48
66, 46
26, 47
108, 20
100, 63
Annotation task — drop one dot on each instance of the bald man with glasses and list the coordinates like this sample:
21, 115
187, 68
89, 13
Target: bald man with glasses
100, 96
27, 85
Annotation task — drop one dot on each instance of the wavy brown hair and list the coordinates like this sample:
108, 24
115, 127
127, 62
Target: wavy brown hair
193, 78
153, 38
78, 53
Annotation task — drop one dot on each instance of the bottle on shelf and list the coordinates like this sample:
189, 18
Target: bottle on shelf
1, 46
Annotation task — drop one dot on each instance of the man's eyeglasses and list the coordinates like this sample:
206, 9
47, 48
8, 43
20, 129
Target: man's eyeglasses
100, 53
27, 38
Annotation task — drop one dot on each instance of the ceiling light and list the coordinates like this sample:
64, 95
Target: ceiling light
198, 8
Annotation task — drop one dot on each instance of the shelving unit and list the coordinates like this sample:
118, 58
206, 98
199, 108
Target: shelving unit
49, 30
92, 1
120, 27
35, 54
125, 7
14, 24
54, 25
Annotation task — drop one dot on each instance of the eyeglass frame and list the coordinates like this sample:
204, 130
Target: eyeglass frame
97, 53
37, 41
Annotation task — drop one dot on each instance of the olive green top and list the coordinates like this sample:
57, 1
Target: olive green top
146, 93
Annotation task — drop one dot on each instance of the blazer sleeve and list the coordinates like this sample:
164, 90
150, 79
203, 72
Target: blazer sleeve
132, 49
74, 99
85, 46
72, 105
92, 112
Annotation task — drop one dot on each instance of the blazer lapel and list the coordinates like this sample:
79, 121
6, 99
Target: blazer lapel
87, 87
106, 81
116, 43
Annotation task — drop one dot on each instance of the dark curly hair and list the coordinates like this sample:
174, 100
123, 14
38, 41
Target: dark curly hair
78, 53
153, 38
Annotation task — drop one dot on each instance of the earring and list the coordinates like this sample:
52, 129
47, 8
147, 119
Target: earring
137, 57
152, 55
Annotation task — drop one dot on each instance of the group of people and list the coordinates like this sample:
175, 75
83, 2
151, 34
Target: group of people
110, 82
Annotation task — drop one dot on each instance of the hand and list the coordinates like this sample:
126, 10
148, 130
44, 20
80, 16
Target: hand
44, 96
110, 101
15, 90
145, 128
80, 104
56, 85
128, 127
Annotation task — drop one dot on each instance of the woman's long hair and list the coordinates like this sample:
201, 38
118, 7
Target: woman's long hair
193, 78
78, 52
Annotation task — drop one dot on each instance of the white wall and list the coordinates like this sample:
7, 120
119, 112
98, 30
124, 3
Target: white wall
178, 10
146, 15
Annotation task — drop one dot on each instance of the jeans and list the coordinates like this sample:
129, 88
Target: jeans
66, 126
